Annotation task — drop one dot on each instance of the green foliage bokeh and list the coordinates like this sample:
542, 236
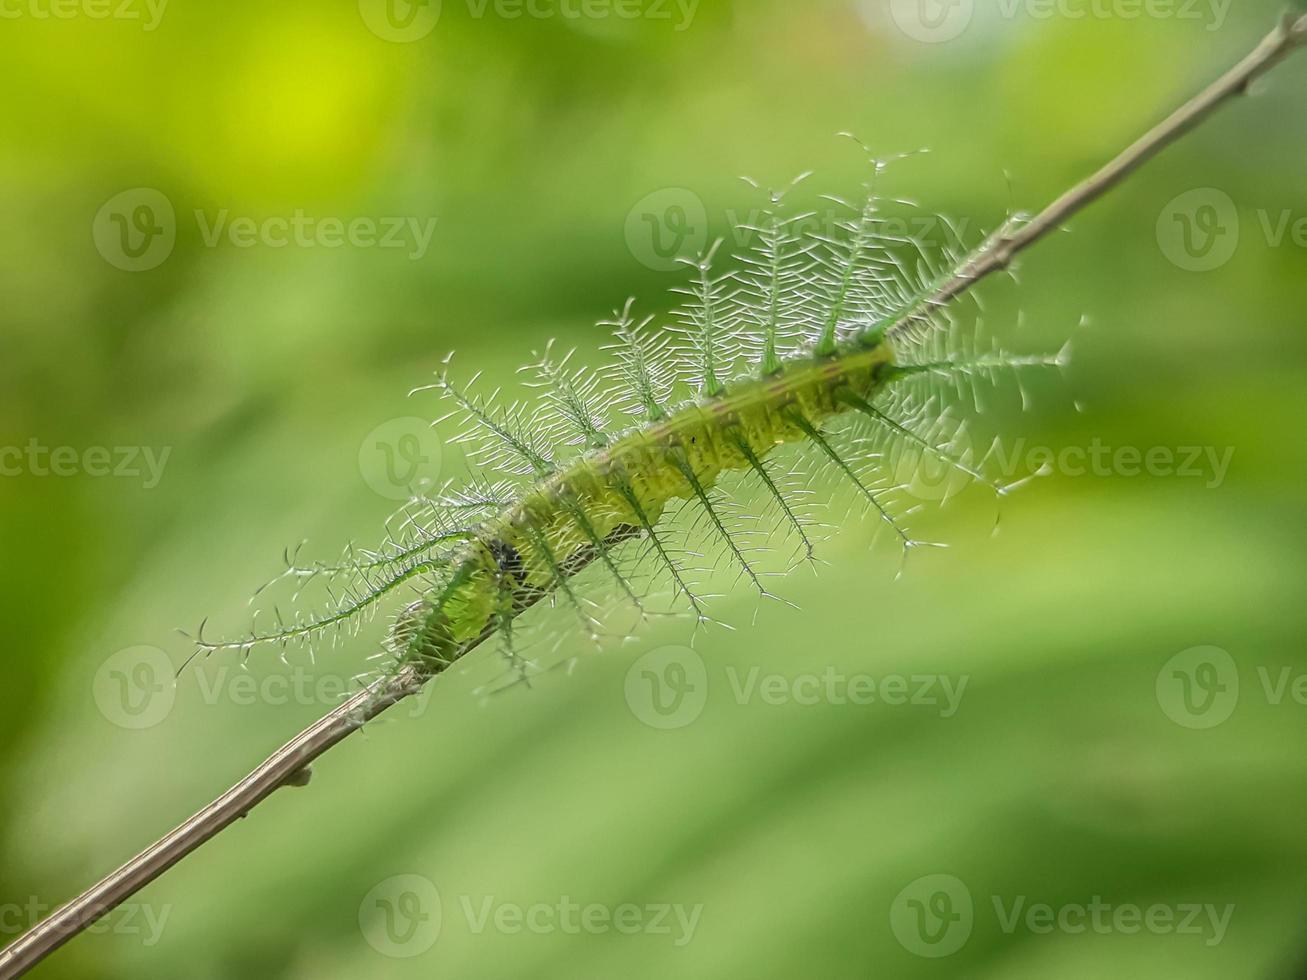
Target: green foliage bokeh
1062, 777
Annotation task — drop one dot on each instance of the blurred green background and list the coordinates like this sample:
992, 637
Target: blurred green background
803, 839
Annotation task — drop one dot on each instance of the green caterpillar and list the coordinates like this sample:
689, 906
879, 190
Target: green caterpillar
808, 330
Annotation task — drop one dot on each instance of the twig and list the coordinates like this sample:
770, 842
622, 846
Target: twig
1018, 234
289, 765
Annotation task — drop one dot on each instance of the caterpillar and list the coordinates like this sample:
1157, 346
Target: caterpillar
809, 330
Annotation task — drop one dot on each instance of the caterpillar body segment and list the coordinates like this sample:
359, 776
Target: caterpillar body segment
631, 484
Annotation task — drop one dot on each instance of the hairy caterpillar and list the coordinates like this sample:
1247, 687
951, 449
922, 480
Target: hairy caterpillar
811, 329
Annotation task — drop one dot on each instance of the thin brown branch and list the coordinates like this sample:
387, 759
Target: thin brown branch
289, 764
1017, 234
